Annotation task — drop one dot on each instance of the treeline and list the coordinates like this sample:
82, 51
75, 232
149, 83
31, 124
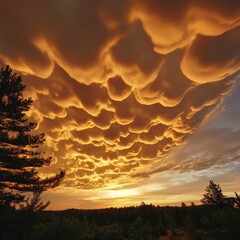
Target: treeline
144, 222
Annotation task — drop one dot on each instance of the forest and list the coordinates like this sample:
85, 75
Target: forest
144, 222
217, 218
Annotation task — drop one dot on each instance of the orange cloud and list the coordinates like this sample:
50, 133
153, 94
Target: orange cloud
118, 84
201, 62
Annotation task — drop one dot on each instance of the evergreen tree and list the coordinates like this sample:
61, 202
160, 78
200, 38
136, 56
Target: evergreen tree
20, 157
35, 204
214, 195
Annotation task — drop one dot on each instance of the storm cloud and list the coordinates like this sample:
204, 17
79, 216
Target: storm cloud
119, 84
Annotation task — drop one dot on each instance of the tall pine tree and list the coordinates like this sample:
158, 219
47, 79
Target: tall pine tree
20, 157
214, 195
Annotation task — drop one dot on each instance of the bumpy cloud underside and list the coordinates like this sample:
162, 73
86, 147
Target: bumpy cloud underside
118, 84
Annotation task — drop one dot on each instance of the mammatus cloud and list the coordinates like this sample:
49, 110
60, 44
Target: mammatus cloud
118, 84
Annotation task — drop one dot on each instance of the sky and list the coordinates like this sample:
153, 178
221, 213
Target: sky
139, 99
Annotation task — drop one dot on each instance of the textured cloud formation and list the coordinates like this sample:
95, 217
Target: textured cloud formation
118, 84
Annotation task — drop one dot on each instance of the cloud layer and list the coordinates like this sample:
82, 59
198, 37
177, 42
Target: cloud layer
118, 84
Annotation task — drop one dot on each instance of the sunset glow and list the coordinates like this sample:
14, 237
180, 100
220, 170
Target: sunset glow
139, 99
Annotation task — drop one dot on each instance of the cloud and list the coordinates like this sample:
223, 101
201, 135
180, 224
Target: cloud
209, 148
118, 84
202, 63
221, 150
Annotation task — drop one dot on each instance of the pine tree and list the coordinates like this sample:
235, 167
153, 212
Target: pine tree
20, 157
214, 195
35, 203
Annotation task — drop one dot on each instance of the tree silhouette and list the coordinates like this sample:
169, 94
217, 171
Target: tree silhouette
20, 157
35, 203
237, 200
214, 195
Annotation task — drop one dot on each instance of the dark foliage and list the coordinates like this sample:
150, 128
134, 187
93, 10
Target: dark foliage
19, 154
208, 222
197, 222
237, 200
145, 222
213, 195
